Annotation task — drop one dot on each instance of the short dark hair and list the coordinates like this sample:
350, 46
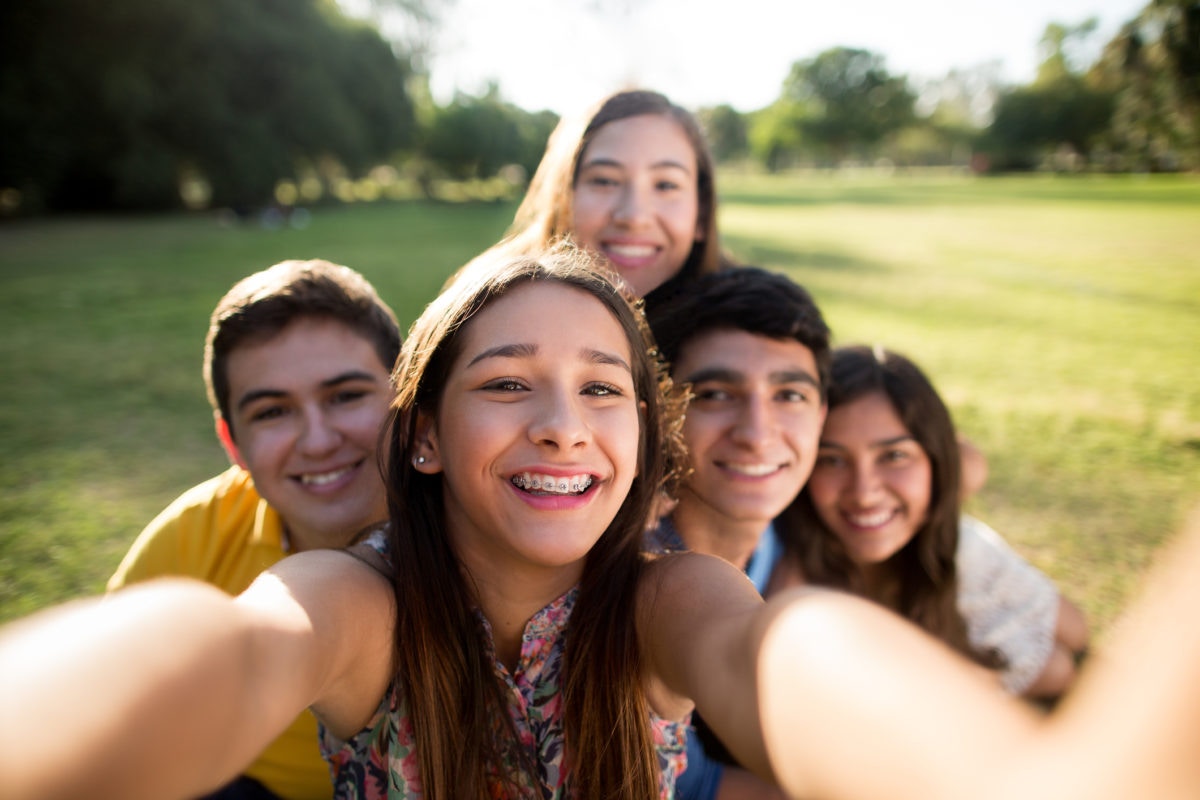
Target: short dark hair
746, 299
261, 305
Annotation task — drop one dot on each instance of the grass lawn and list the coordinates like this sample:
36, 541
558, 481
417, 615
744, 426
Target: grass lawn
1060, 318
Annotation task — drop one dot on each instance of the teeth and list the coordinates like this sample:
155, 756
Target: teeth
549, 484
752, 470
870, 520
322, 478
632, 250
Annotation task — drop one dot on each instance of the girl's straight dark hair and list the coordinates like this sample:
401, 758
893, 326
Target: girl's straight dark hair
445, 669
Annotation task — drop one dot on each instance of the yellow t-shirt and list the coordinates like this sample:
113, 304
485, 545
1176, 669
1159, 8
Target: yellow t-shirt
223, 533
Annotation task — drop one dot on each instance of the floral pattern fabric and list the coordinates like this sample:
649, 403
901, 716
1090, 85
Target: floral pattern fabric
381, 761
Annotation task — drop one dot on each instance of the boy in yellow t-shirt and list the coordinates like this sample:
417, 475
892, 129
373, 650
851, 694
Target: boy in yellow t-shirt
297, 364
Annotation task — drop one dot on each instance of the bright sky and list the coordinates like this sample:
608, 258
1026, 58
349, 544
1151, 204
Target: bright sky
565, 54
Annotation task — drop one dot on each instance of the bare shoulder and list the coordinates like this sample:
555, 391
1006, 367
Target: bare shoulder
342, 610
692, 608
692, 577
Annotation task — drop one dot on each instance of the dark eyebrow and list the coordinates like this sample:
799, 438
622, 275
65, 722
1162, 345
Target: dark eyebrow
721, 374
505, 351
345, 377
529, 350
600, 357
612, 162
729, 375
794, 376
906, 437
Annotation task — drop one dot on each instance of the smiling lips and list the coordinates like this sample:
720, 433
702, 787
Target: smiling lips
758, 470
535, 483
326, 478
869, 519
629, 253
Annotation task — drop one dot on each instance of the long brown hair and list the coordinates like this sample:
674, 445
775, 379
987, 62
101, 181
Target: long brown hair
444, 666
924, 568
547, 212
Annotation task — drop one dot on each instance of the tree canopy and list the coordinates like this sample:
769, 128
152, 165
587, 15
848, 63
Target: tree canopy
853, 101
109, 104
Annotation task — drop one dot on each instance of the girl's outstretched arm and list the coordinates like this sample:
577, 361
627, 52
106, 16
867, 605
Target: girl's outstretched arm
829, 695
838, 699
1131, 726
169, 689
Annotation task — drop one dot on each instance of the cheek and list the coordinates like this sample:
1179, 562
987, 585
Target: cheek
918, 485
587, 218
824, 486
263, 449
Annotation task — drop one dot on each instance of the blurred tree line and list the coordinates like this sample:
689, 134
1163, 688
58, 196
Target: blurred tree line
154, 104
157, 104
1137, 107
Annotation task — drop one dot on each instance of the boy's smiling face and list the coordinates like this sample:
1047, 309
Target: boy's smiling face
306, 408
752, 426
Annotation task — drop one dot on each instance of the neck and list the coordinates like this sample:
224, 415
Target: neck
509, 598
298, 539
704, 530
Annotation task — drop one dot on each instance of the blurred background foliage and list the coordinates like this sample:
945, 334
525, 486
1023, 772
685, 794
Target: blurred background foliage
253, 104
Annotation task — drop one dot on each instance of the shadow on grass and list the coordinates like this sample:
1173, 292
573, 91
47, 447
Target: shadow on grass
790, 258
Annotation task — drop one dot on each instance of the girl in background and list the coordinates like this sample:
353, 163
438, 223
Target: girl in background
632, 180
880, 516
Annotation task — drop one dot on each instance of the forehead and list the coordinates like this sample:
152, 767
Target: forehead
868, 418
747, 354
305, 345
548, 314
644, 139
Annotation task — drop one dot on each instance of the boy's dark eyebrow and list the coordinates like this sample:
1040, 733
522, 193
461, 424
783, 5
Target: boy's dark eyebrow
348, 375
794, 376
720, 374
612, 162
528, 350
730, 375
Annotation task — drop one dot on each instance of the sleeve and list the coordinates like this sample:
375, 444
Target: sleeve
154, 553
182, 539
1008, 604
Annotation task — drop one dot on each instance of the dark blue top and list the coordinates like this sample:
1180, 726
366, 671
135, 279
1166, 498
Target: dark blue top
703, 775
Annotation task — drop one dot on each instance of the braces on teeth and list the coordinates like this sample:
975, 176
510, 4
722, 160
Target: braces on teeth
539, 483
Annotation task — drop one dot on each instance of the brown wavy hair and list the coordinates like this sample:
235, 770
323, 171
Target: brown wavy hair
444, 666
925, 567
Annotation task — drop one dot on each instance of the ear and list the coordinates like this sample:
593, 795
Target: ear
426, 452
225, 436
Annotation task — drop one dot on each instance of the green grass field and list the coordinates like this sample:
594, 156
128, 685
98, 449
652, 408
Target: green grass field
1059, 317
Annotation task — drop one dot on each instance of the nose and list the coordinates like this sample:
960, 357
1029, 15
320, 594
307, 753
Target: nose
632, 205
755, 423
319, 436
864, 482
559, 422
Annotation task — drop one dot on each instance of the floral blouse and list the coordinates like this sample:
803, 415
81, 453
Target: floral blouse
381, 760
